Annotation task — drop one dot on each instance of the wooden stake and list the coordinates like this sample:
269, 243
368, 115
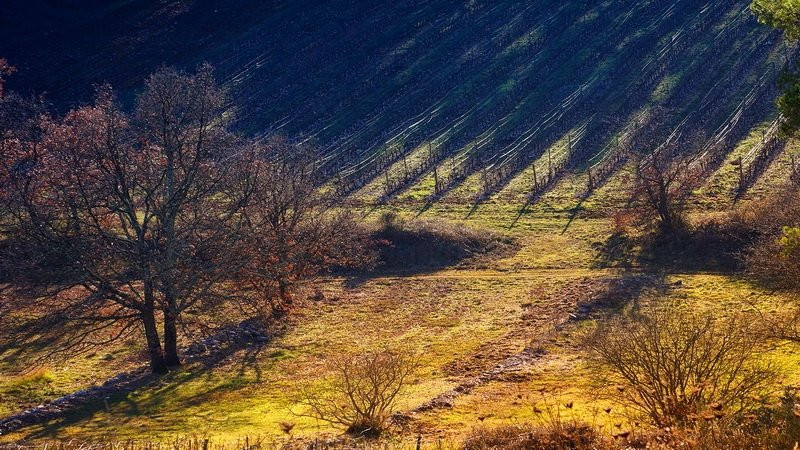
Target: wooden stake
741, 174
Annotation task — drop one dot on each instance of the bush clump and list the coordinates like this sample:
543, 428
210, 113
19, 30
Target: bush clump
673, 367
564, 436
359, 392
774, 255
434, 243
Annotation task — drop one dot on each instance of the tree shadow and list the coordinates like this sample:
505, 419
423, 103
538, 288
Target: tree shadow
408, 249
618, 251
620, 292
521, 212
574, 212
163, 390
709, 247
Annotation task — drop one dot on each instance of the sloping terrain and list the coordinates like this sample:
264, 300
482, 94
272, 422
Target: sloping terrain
498, 342
478, 90
518, 117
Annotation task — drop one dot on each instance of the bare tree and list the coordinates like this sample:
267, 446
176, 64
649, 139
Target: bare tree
116, 222
674, 366
662, 183
360, 392
296, 231
19, 117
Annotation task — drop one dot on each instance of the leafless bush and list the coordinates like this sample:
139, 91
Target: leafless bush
662, 183
676, 368
360, 391
771, 427
774, 255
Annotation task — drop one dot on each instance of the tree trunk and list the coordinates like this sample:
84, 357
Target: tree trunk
157, 363
170, 334
170, 305
665, 209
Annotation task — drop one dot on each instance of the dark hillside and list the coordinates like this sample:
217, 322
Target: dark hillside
495, 82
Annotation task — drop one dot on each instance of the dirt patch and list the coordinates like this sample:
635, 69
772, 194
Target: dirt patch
580, 300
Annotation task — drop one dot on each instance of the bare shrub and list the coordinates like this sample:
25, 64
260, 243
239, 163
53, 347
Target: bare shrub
662, 184
360, 391
770, 427
675, 368
775, 254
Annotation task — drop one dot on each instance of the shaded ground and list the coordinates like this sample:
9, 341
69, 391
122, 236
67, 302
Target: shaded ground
429, 245
202, 355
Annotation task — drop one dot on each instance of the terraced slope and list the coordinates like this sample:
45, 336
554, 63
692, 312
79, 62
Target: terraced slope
437, 99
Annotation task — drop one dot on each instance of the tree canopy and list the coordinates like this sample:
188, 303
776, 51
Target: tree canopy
116, 223
784, 15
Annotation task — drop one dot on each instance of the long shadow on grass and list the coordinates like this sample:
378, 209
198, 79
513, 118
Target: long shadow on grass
577, 301
408, 249
708, 248
160, 392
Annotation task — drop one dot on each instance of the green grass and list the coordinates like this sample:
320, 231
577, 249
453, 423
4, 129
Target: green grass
513, 67
463, 320
28, 384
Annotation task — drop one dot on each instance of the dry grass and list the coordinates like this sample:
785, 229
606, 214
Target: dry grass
522, 437
466, 318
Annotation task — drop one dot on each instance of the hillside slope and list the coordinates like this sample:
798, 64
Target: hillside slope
499, 84
512, 117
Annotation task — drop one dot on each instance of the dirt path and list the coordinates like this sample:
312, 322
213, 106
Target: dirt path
577, 301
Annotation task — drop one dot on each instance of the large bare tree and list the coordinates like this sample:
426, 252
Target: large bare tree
120, 222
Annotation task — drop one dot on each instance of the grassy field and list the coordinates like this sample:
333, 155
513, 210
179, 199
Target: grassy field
465, 320
504, 94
